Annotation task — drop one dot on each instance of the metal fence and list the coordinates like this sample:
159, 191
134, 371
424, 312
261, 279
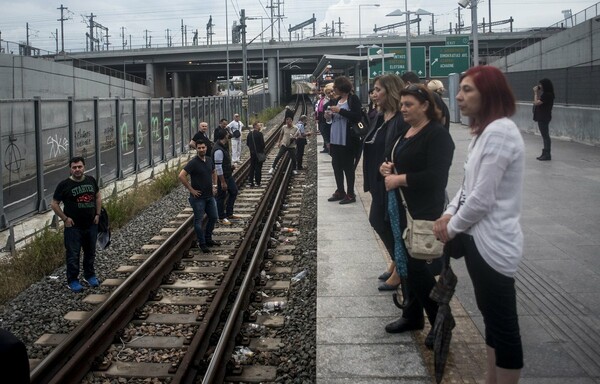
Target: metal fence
118, 137
572, 86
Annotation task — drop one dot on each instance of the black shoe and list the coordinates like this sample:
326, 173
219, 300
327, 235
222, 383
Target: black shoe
403, 325
212, 243
430, 339
348, 199
204, 248
545, 157
337, 196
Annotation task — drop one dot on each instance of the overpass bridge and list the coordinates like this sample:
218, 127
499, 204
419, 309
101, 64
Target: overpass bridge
195, 70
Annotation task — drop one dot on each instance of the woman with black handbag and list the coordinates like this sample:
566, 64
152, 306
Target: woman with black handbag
344, 147
420, 162
256, 145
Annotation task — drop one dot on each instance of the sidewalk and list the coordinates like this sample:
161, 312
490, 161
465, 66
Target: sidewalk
557, 283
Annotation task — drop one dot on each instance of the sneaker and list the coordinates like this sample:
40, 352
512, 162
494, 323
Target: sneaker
348, 199
271, 171
92, 281
75, 286
337, 196
250, 185
224, 222
212, 243
294, 172
234, 217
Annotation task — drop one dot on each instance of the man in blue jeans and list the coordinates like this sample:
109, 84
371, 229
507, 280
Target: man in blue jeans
226, 188
82, 204
202, 187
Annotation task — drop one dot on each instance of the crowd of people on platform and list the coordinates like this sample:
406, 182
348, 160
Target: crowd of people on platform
406, 157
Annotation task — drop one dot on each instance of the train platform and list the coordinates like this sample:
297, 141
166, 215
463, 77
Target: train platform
558, 282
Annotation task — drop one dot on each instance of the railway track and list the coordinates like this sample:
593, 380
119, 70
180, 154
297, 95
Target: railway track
174, 314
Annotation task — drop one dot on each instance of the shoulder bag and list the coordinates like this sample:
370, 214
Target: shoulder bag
419, 238
360, 128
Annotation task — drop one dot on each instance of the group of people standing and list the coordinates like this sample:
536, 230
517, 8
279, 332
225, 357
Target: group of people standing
407, 154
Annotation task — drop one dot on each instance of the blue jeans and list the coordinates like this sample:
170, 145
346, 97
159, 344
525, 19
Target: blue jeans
75, 240
230, 195
201, 206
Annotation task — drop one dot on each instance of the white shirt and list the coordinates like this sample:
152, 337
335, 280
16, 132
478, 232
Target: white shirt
491, 194
235, 126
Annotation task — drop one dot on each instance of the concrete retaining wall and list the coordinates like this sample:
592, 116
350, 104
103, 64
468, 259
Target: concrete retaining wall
25, 77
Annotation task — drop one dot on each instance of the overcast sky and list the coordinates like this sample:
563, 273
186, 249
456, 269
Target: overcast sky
156, 17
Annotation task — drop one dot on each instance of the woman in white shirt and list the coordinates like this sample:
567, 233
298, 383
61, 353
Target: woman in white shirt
483, 217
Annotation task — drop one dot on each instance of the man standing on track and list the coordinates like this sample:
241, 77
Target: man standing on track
201, 135
203, 186
236, 138
82, 202
226, 187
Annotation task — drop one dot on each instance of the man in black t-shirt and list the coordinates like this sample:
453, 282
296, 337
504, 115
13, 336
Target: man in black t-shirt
202, 187
202, 135
82, 203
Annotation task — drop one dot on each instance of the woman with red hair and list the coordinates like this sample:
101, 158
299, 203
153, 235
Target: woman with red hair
483, 218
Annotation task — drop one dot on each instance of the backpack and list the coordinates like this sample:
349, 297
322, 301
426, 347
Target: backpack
103, 239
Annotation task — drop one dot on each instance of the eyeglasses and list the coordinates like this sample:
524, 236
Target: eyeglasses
417, 91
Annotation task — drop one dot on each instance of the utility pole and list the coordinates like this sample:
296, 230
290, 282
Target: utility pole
244, 66
123, 41
62, 33
339, 23
168, 37
459, 24
146, 31
209, 31
272, 22
56, 38
182, 42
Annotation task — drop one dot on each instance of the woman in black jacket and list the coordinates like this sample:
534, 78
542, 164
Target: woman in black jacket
343, 146
385, 127
420, 161
543, 101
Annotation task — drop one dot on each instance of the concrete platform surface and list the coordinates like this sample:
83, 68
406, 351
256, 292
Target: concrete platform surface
558, 282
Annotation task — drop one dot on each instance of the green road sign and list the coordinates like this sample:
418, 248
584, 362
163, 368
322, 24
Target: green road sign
457, 40
397, 64
444, 60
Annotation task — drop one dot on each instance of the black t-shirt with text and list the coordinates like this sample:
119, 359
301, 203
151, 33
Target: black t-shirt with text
79, 199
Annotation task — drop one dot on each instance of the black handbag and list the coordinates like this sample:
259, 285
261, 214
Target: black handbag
360, 128
237, 134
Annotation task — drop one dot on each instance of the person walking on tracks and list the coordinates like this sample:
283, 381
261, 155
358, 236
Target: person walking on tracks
287, 143
226, 187
82, 203
256, 145
202, 187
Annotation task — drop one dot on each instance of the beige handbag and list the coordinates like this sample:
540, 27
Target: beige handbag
419, 239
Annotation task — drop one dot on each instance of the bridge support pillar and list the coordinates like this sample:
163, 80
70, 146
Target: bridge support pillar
273, 72
150, 78
175, 85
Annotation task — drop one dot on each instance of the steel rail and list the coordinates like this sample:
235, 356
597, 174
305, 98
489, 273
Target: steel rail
219, 358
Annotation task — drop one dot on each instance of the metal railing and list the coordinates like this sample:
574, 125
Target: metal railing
118, 137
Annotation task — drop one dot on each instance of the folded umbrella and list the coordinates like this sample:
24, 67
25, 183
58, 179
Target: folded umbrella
444, 321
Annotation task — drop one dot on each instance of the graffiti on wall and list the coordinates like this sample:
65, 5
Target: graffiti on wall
12, 156
58, 145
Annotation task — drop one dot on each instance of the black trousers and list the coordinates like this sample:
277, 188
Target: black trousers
282, 150
342, 161
14, 363
544, 127
255, 175
497, 300
300, 144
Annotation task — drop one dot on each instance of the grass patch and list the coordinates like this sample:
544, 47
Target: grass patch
266, 115
37, 259
46, 251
